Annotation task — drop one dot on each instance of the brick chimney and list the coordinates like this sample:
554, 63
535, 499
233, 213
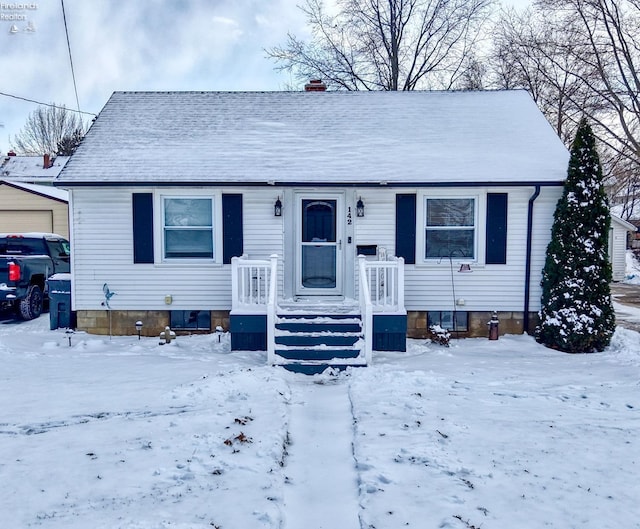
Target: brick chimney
315, 85
46, 163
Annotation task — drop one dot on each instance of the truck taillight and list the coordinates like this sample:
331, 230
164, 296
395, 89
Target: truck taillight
14, 272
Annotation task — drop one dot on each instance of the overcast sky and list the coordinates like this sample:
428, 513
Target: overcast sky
136, 45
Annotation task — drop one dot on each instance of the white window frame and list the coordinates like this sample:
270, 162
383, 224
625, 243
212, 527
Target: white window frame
480, 203
216, 228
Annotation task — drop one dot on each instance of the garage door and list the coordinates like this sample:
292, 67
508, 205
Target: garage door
21, 221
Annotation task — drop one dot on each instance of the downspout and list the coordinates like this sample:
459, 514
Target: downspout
527, 271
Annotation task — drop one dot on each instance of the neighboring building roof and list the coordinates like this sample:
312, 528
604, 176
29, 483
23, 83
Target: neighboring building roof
632, 211
45, 191
30, 168
318, 138
626, 225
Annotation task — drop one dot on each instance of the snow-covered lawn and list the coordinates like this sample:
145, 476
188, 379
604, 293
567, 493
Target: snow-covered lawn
632, 269
121, 433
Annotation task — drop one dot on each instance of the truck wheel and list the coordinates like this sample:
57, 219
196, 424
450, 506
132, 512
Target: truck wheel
31, 305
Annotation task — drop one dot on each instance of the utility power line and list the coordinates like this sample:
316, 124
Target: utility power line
73, 73
47, 104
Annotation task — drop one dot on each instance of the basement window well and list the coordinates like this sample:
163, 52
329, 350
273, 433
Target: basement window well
191, 320
444, 318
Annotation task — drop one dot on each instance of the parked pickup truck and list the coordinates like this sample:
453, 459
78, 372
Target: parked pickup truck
27, 260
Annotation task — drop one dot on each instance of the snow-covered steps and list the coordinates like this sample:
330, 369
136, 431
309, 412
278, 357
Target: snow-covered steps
311, 342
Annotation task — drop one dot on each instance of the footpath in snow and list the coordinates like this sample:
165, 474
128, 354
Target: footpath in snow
321, 489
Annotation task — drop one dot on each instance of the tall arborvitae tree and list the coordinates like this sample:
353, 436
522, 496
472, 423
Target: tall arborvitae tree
577, 314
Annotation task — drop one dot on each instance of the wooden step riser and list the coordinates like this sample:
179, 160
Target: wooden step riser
319, 327
316, 354
331, 340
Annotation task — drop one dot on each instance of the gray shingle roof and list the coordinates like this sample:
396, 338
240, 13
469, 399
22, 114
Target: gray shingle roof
318, 138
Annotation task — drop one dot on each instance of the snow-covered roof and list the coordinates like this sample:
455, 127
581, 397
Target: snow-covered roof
630, 211
30, 168
45, 191
318, 138
621, 222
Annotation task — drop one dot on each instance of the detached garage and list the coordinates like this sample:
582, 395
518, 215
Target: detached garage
32, 207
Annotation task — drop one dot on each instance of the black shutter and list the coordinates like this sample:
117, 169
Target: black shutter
232, 243
142, 227
406, 227
496, 228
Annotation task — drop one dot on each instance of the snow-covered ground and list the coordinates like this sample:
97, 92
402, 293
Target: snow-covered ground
122, 433
632, 270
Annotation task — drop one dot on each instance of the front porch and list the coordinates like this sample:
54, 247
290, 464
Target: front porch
309, 334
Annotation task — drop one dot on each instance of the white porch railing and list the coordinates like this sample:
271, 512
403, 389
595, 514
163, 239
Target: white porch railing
251, 282
254, 289
384, 282
381, 290
271, 311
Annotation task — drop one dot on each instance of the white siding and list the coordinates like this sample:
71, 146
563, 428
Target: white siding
263, 235
378, 226
489, 287
428, 286
543, 210
103, 253
618, 247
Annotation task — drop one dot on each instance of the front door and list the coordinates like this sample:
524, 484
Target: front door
319, 252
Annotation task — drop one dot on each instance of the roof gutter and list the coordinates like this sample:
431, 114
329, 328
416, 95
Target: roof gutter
527, 272
387, 185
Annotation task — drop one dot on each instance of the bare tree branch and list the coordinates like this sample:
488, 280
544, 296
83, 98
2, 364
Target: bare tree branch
48, 130
385, 44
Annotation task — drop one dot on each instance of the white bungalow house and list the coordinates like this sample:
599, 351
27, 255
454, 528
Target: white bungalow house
318, 226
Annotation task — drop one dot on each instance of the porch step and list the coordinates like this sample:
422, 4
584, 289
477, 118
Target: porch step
309, 325
311, 342
315, 369
317, 354
309, 339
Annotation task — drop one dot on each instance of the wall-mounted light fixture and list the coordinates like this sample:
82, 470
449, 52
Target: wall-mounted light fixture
360, 208
465, 268
277, 208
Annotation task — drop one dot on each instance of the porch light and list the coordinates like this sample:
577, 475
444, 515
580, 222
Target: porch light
465, 268
360, 207
277, 208
138, 327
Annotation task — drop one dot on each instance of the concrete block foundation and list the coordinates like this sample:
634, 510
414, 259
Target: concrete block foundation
510, 323
122, 322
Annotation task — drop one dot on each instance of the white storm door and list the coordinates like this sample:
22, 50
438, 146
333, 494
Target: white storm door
319, 253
